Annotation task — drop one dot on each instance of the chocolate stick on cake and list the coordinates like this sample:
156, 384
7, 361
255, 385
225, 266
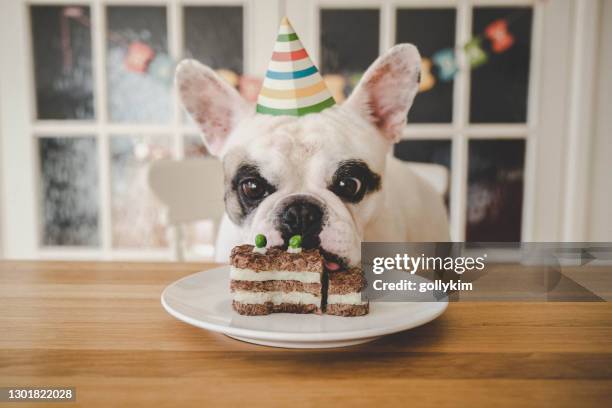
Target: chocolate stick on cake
272, 280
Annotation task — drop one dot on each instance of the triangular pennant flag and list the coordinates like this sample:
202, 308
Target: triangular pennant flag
249, 87
427, 79
500, 38
475, 55
447, 64
162, 68
138, 57
336, 84
228, 76
293, 85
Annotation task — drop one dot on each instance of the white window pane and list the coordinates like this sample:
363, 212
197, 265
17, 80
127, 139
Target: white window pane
213, 36
69, 191
136, 46
61, 46
137, 218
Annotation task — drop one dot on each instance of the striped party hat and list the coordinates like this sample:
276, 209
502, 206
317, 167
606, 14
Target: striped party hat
293, 85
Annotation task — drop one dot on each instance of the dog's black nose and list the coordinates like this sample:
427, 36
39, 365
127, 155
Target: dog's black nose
303, 218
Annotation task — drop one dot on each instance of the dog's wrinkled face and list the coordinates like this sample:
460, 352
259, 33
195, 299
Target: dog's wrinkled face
319, 176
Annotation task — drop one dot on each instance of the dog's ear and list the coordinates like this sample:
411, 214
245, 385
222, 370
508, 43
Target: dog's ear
386, 90
212, 103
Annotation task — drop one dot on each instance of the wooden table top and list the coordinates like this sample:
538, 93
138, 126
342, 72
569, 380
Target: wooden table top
99, 327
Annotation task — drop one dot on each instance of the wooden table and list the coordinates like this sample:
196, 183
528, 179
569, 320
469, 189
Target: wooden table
99, 327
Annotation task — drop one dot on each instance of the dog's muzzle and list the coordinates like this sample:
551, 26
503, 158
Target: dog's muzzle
301, 216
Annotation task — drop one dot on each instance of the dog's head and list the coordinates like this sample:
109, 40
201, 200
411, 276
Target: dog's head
319, 175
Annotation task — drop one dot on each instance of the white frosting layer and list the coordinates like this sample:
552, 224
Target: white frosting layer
251, 275
347, 299
276, 297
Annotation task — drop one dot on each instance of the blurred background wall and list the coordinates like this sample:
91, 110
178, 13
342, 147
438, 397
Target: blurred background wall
515, 101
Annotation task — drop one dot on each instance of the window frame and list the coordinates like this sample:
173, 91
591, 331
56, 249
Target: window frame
459, 131
102, 129
544, 132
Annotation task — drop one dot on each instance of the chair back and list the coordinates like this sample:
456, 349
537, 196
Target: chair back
190, 190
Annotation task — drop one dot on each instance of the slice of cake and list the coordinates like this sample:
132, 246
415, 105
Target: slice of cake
272, 280
344, 293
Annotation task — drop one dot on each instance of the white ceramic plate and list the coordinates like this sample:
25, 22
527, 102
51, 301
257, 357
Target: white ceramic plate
203, 300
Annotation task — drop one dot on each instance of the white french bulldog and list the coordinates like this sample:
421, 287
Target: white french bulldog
327, 176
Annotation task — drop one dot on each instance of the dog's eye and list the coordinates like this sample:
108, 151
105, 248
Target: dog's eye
253, 188
353, 180
348, 187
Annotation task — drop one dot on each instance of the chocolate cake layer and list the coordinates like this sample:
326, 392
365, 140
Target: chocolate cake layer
309, 260
347, 310
261, 309
345, 282
276, 286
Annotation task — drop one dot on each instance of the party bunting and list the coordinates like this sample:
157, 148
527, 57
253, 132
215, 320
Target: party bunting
293, 85
138, 57
249, 87
162, 68
474, 53
354, 79
500, 38
228, 76
447, 64
336, 84
427, 79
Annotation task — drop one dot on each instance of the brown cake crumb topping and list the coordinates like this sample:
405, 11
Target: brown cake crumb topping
309, 260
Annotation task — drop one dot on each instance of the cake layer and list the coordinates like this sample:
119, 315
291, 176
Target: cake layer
269, 307
348, 299
345, 282
347, 310
276, 286
276, 298
276, 259
246, 274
